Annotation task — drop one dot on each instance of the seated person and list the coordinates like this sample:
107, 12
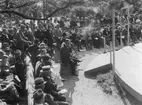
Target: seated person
40, 84
40, 98
5, 67
9, 92
44, 59
8, 52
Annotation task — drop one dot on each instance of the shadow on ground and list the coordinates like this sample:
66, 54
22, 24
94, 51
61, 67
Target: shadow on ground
100, 70
89, 52
69, 84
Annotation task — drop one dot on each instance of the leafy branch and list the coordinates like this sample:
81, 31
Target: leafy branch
14, 12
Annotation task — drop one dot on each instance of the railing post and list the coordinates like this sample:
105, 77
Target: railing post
111, 53
113, 37
104, 44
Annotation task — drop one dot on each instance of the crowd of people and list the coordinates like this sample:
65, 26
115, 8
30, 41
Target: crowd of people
21, 39
39, 40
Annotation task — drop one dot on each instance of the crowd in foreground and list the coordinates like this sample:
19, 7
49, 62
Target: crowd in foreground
22, 39
39, 41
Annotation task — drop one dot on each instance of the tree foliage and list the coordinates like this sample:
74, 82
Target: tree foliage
30, 9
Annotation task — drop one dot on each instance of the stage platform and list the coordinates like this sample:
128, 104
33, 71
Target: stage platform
128, 68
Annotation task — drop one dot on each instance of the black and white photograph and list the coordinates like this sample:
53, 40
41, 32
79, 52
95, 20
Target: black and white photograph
70, 52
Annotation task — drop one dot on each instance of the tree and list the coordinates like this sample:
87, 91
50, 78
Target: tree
28, 8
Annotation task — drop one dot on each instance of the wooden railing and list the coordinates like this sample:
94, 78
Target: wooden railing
29, 80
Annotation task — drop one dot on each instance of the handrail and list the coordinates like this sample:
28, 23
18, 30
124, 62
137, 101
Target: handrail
29, 80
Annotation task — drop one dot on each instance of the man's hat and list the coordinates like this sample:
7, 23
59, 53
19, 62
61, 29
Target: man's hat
46, 67
18, 53
7, 49
5, 44
67, 39
42, 45
5, 56
38, 96
39, 82
23, 26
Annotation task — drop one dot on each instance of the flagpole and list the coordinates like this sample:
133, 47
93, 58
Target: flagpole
113, 38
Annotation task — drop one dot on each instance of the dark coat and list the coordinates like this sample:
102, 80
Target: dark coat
20, 69
65, 54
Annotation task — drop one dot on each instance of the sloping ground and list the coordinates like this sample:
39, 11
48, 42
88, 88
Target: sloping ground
87, 91
84, 90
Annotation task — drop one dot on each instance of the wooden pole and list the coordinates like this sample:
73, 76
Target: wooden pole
113, 37
104, 45
121, 31
128, 32
111, 53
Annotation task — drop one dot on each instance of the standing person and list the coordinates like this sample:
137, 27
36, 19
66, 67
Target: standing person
33, 50
58, 34
65, 52
133, 34
67, 57
138, 32
4, 36
124, 36
49, 36
21, 40
29, 34
20, 68
117, 33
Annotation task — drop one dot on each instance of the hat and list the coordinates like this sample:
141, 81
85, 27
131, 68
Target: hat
46, 67
39, 82
67, 39
43, 55
45, 74
38, 96
46, 56
18, 53
5, 44
7, 49
42, 45
5, 56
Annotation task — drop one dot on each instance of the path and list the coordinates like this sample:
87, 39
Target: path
84, 91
